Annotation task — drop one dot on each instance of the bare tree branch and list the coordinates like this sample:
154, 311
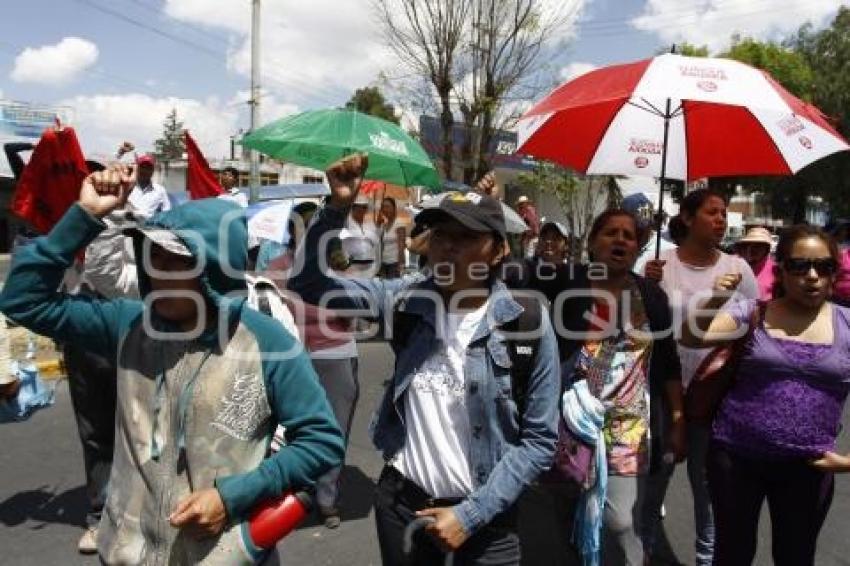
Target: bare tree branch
481, 57
425, 35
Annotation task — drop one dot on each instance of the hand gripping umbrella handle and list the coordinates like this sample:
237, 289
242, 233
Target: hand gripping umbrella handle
412, 527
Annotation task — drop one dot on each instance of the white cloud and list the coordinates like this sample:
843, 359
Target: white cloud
576, 69
54, 64
226, 14
712, 22
313, 53
566, 14
318, 53
104, 121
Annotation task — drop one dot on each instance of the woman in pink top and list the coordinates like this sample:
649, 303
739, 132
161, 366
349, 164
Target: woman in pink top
754, 247
841, 288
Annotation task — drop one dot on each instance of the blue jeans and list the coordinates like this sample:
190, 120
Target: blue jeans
698, 441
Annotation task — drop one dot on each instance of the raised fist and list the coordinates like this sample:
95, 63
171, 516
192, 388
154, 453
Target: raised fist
486, 185
125, 147
344, 178
104, 191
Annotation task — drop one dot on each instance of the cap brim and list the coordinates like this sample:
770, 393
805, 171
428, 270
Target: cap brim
433, 215
562, 230
166, 239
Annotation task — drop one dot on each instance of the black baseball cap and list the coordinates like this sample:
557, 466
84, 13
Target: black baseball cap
477, 212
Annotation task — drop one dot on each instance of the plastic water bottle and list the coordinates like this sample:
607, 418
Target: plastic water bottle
276, 518
31, 346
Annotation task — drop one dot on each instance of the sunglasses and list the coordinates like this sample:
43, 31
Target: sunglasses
801, 266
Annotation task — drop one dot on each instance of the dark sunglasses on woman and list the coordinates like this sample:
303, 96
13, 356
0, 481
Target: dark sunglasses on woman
800, 266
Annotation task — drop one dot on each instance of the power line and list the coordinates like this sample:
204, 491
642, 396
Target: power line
15, 50
678, 13
118, 15
198, 29
292, 82
308, 91
626, 26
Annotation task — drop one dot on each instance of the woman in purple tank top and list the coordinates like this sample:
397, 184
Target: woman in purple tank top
774, 435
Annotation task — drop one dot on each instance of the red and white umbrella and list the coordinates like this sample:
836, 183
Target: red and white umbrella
677, 117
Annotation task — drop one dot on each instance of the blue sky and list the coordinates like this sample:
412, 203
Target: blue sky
133, 60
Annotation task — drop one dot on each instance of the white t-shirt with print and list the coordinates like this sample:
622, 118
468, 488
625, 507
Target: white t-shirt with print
436, 451
683, 282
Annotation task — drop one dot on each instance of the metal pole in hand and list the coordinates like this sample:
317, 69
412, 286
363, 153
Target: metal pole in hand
407, 539
663, 181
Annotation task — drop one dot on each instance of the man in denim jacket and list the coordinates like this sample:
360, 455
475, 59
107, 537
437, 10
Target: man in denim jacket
456, 449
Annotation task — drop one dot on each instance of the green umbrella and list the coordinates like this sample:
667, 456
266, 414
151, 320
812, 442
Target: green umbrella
319, 137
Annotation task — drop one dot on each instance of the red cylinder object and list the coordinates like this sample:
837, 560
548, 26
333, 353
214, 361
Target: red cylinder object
274, 519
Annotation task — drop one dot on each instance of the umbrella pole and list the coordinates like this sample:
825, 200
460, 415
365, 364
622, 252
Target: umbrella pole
663, 181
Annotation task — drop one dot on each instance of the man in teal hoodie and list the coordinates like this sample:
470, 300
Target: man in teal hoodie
203, 380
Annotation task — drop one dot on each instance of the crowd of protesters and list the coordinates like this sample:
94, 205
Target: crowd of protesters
211, 374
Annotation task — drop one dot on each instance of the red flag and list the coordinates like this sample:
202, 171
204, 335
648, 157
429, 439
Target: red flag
50, 183
201, 182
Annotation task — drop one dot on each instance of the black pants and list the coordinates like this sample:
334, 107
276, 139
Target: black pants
798, 497
396, 502
546, 519
92, 384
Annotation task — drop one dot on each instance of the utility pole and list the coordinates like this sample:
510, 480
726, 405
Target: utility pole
254, 191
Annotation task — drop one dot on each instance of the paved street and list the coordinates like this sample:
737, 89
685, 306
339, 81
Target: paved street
42, 498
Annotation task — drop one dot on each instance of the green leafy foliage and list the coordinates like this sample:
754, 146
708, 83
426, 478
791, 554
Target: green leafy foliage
370, 100
170, 146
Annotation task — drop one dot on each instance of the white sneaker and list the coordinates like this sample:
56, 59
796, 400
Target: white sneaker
88, 542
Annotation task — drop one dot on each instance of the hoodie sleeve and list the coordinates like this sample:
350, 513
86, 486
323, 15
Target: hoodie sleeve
314, 441
31, 298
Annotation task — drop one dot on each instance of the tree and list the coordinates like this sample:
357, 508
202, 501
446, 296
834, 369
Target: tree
580, 198
789, 68
814, 66
613, 194
370, 100
170, 146
685, 48
499, 66
426, 36
479, 57
828, 54
692, 50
